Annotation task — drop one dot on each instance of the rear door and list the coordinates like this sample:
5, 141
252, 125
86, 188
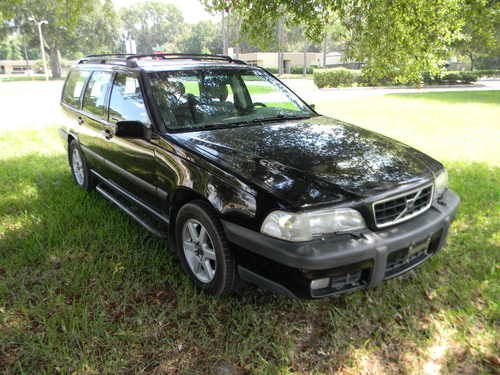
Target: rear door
71, 103
95, 132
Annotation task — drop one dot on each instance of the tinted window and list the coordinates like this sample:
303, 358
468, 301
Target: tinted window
74, 86
95, 93
126, 100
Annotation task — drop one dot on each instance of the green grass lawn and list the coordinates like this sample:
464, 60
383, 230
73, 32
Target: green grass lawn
27, 78
460, 125
83, 289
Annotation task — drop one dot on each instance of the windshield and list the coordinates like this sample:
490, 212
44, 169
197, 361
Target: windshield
201, 99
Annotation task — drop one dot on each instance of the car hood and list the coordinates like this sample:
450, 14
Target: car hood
312, 161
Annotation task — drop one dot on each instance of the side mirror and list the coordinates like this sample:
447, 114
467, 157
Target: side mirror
130, 129
313, 106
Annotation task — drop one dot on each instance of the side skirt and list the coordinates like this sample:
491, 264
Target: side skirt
145, 215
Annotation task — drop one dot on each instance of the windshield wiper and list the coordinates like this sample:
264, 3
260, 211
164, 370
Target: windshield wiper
283, 117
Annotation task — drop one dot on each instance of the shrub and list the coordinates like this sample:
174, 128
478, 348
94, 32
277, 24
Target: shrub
299, 69
487, 73
272, 70
346, 77
335, 77
450, 77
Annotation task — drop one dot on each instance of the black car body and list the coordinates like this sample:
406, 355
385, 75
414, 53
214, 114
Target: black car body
297, 165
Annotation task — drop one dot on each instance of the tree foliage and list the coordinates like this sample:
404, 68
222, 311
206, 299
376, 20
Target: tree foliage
480, 34
152, 23
97, 31
62, 17
202, 37
10, 49
397, 39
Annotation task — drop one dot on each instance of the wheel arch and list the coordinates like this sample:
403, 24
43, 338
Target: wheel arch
182, 196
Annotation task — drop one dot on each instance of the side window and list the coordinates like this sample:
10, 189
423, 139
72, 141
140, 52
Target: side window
95, 93
126, 101
74, 86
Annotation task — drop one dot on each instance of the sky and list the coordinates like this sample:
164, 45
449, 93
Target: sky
192, 10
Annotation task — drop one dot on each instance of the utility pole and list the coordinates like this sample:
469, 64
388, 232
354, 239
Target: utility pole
42, 49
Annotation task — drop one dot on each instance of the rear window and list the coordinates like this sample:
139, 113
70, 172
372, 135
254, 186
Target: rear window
74, 86
95, 94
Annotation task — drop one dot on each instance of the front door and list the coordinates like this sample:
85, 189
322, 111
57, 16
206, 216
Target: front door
131, 161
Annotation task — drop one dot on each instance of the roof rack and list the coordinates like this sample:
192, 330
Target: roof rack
131, 60
105, 58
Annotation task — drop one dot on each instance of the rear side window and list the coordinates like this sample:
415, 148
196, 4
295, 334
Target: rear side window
74, 86
95, 93
126, 101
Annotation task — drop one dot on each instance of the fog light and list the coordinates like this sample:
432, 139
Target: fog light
320, 283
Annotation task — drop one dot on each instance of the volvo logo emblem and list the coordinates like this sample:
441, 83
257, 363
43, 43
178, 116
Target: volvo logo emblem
410, 205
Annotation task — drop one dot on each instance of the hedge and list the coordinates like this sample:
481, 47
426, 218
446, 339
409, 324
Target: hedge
487, 73
347, 77
335, 77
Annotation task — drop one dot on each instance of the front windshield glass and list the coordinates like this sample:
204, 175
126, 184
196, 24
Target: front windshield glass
201, 99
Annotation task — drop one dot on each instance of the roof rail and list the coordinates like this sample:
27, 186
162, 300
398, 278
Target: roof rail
131, 60
105, 58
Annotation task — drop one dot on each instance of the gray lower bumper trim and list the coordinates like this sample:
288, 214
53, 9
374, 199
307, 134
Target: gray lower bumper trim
336, 252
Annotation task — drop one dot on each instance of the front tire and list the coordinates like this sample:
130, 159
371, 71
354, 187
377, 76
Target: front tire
79, 167
203, 249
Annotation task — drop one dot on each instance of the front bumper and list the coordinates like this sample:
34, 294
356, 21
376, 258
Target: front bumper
351, 262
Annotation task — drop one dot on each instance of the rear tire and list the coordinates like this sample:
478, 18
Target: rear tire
203, 250
79, 167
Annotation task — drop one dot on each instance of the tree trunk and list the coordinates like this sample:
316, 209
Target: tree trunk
324, 50
237, 48
304, 72
471, 57
55, 62
280, 46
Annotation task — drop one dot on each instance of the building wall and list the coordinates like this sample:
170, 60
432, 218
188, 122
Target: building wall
15, 66
291, 59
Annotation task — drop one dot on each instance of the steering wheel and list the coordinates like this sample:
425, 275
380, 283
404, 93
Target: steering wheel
259, 104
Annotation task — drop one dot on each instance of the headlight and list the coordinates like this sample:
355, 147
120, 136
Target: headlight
441, 183
303, 226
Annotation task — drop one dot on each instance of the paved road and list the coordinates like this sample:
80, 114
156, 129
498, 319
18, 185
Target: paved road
36, 104
32, 104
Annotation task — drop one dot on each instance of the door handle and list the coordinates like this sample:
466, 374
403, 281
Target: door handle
80, 120
108, 134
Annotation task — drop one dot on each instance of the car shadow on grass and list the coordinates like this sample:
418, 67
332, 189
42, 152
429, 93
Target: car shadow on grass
83, 287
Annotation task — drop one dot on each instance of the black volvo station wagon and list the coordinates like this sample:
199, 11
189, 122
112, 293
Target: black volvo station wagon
245, 180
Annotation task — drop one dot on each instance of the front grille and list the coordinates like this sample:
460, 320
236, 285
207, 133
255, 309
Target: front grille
402, 206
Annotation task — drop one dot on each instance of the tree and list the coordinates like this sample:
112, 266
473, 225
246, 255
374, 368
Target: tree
97, 31
202, 37
394, 38
63, 18
10, 49
152, 24
479, 34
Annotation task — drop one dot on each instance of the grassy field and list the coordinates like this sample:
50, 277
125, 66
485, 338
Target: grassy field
85, 290
459, 125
